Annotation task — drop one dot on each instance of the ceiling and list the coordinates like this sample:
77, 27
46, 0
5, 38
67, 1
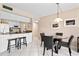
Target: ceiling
43, 9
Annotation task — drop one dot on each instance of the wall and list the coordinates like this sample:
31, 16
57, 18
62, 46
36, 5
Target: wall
35, 29
45, 25
0, 6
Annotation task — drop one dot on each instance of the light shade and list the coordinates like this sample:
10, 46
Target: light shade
58, 20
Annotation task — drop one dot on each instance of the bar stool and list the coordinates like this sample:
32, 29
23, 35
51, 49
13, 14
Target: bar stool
9, 44
24, 41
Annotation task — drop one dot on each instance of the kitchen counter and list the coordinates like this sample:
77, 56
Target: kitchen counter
4, 39
13, 33
28, 31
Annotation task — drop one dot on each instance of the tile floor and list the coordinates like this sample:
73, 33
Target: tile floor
34, 49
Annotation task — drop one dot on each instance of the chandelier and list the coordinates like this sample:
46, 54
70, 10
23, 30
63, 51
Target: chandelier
58, 19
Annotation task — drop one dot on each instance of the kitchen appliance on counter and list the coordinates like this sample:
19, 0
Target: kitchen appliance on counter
15, 29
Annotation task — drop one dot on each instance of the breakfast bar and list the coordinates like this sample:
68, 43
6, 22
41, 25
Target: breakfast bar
4, 39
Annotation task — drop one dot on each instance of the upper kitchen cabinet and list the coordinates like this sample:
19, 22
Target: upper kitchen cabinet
4, 28
11, 16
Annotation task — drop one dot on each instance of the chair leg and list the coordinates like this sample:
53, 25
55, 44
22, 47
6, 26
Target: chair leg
69, 51
20, 43
59, 45
8, 48
24, 41
52, 51
41, 43
44, 51
16, 43
56, 49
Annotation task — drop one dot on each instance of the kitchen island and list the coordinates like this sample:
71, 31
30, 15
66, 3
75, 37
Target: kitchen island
4, 39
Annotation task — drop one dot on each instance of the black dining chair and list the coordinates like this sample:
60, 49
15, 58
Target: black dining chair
42, 40
67, 44
48, 43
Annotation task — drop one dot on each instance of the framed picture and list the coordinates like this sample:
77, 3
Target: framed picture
55, 25
70, 22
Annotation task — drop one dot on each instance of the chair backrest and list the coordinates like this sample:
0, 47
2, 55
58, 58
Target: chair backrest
70, 39
59, 34
48, 41
42, 34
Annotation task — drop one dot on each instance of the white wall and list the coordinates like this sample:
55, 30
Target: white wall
35, 29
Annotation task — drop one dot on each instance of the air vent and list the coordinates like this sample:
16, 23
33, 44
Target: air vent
8, 8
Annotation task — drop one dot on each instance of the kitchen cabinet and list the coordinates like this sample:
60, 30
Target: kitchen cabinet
14, 17
4, 28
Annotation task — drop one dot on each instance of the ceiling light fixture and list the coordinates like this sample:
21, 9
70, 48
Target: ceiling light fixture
58, 19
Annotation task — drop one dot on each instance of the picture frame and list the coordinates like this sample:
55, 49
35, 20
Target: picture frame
70, 22
55, 25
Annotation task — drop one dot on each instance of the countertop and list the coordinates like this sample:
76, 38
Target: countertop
15, 33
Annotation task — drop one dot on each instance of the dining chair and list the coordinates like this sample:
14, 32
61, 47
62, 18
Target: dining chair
42, 40
48, 43
67, 44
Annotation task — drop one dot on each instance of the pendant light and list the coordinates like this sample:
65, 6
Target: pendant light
58, 19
